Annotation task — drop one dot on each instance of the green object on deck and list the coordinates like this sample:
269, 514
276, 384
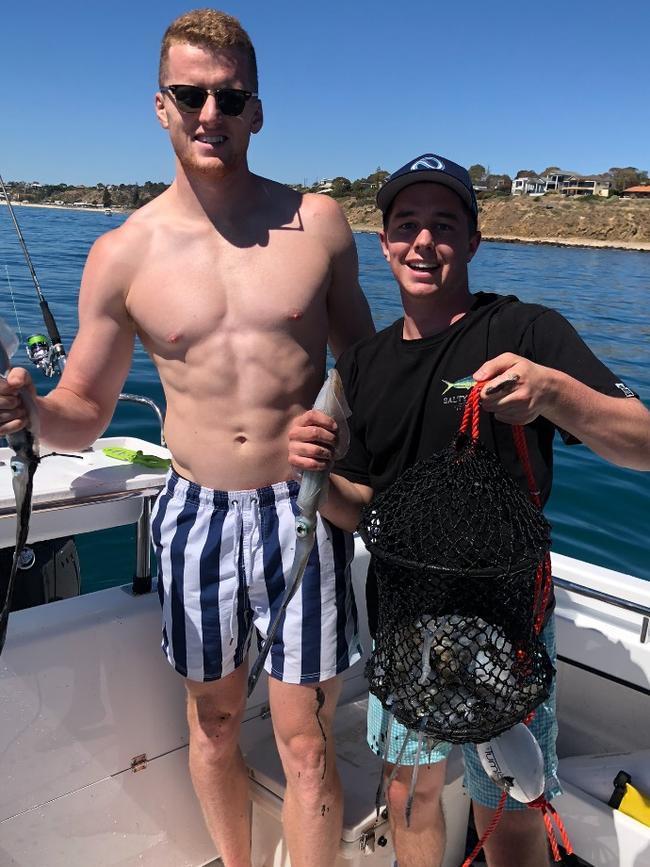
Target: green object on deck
136, 457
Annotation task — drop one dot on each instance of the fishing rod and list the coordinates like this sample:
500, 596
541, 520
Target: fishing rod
49, 357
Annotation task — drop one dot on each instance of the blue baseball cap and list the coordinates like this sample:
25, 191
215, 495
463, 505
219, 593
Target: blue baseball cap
432, 168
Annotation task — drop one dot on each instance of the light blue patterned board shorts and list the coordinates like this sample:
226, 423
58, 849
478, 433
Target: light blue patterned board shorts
479, 786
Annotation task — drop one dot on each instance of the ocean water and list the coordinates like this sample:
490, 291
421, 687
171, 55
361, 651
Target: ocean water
600, 513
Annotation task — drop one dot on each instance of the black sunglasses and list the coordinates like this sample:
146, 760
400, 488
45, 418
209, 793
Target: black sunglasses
191, 99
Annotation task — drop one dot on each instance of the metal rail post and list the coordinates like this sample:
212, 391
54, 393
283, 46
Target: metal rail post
142, 579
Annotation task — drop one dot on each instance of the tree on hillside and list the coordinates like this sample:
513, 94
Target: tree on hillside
502, 183
341, 187
362, 189
377, 178
622, 178
526, 173
477, 173
107, 199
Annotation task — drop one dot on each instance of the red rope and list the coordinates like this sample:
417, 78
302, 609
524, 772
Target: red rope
543, 583
522, 451
471, 413
551, 815
488, 831
543, 578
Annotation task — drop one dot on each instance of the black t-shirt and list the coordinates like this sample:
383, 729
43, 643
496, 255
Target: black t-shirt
407, 396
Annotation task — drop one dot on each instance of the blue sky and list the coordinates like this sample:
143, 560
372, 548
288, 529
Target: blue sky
347, 86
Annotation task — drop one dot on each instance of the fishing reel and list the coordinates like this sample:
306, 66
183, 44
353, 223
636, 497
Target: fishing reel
43, 354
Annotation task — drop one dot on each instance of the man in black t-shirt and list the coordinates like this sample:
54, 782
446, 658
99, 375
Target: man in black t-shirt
406, 387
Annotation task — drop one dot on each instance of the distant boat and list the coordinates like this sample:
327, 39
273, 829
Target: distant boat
108, 212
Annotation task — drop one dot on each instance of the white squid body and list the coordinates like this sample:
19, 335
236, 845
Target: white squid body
330, 400
313, 490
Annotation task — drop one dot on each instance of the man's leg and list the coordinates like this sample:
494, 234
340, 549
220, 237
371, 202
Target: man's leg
519, 839
214, 713
317, 641
199, 539
313, 808
422, 842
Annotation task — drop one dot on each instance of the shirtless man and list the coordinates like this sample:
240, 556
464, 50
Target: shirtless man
234, 284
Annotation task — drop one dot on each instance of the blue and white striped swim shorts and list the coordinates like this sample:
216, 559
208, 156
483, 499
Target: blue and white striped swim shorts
223, 559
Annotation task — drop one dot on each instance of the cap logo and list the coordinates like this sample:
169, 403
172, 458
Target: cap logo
428, 163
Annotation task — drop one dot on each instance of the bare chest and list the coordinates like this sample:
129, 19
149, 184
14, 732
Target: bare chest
199, 293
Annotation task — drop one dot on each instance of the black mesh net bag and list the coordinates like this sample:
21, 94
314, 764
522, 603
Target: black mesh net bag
461, 555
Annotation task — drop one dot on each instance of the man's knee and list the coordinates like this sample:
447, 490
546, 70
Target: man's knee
302, 721
305, 757
426, 805
214, 713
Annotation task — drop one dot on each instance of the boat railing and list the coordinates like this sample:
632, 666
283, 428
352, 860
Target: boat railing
142, 582
89, 500
147, 401
142, 578
607, 598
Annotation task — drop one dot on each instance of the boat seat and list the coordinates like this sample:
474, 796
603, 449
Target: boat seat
595, 774
600, 834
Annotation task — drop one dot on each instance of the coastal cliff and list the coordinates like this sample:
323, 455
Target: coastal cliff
550, 219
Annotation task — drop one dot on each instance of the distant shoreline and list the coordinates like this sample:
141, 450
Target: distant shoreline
591, 243
631, 246
99, 210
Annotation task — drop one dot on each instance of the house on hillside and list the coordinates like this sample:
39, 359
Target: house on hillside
567, 183
642, 192
585, 186
528, 186
554, 180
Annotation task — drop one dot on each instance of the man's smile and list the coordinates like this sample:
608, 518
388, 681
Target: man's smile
429, 267
211, 139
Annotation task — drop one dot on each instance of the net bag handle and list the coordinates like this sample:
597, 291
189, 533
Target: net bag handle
470, 427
